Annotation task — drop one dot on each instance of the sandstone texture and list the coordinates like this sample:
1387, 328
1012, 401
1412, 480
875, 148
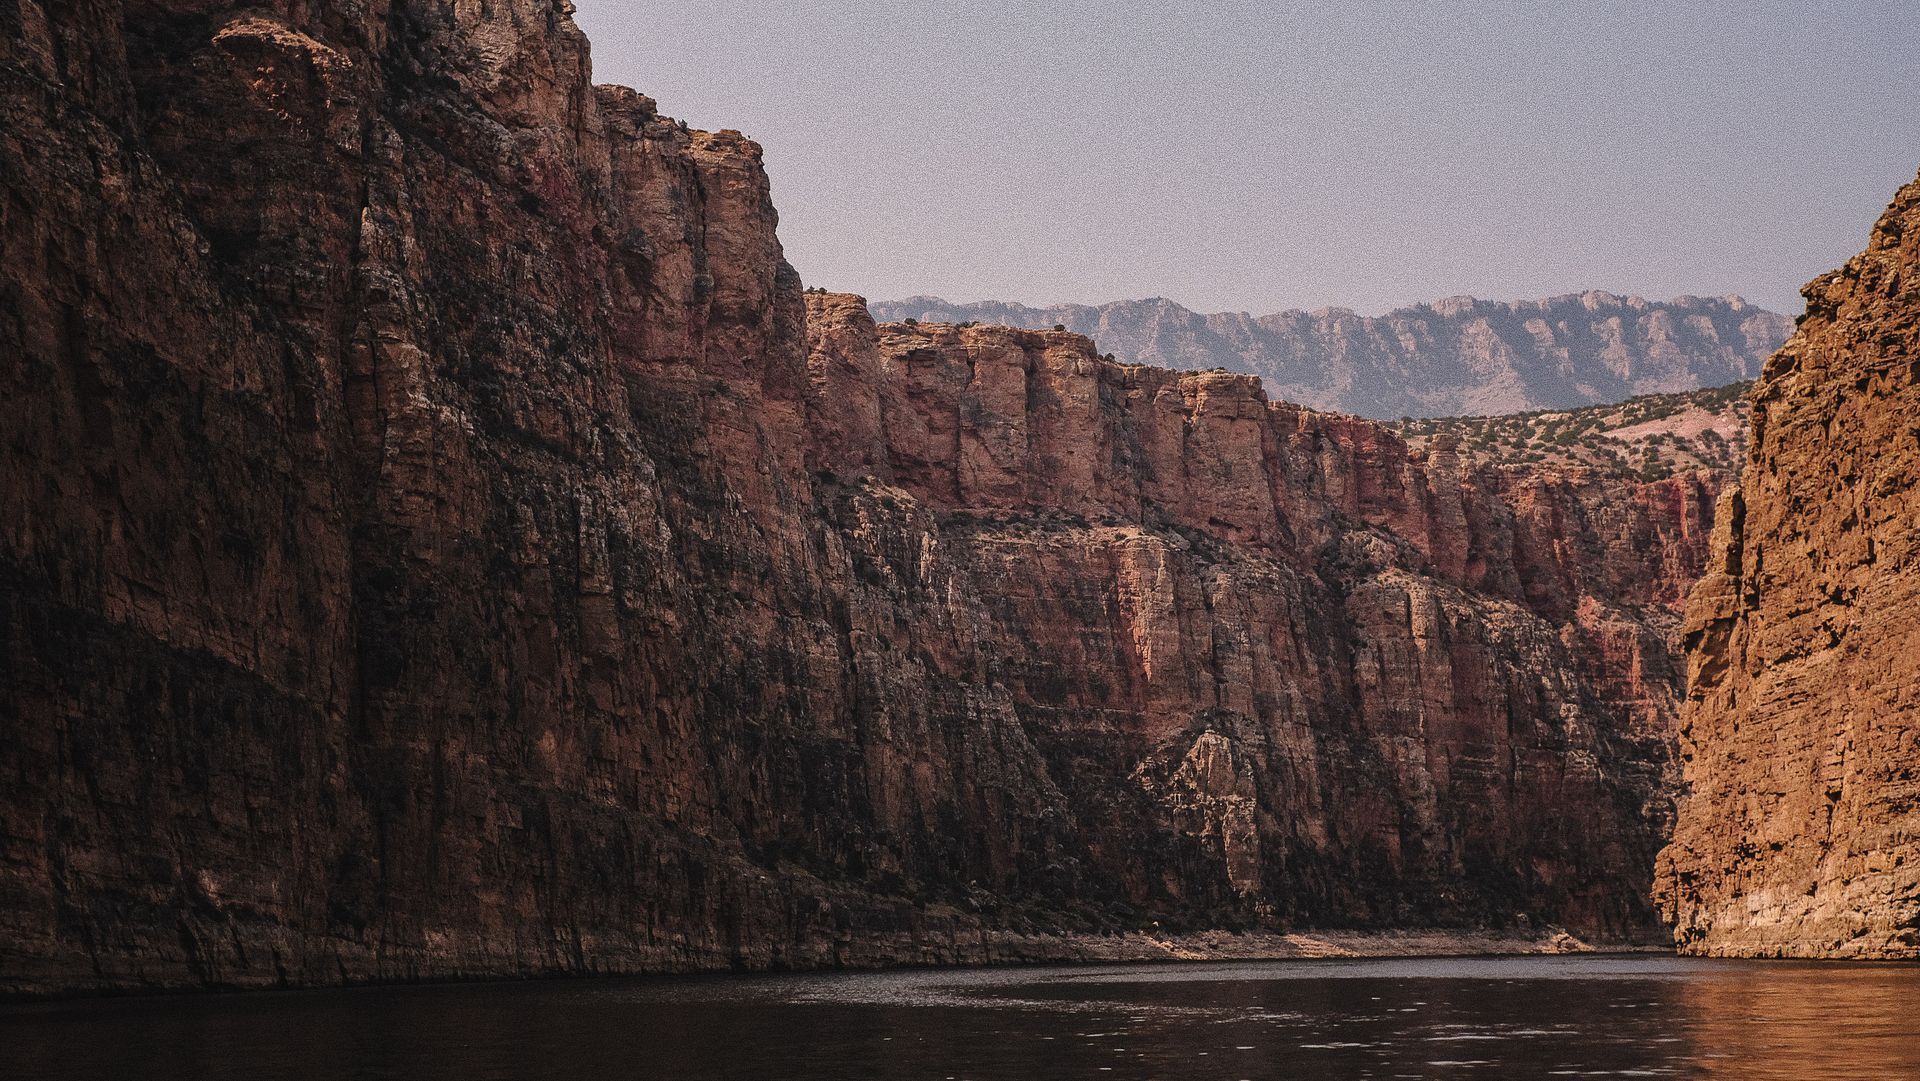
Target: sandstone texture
1801, 836
1453, 357
440, 539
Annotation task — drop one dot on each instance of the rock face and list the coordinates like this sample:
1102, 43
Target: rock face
1454, 357
1802, 833
439, 540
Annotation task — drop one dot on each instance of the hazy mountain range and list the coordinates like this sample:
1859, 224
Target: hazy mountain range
1452, 357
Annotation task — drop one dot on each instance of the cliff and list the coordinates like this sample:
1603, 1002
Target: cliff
1798, 838
1449, 358
440, 541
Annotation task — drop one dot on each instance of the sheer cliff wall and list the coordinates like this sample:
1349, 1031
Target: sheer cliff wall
440, 541
1802, 728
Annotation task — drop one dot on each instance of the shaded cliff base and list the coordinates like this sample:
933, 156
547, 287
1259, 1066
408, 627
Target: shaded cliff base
996, 947
946, 941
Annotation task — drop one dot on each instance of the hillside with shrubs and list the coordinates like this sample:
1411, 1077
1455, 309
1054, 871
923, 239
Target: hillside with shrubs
1652, 436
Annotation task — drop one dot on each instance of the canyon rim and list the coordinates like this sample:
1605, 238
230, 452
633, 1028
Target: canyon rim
1460, 355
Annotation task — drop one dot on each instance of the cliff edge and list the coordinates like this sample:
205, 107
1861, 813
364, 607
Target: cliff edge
1802, 727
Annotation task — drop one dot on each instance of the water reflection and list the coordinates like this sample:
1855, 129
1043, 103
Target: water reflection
1478, 1018
1795, 1021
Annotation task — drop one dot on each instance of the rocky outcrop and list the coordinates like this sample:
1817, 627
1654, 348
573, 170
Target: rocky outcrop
440, 541
1453, 357
1799, 837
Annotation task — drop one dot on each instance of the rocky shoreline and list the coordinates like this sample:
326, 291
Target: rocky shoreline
998, 948
976, 947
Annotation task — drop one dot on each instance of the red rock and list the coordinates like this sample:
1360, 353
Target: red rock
440, 542
1800, 727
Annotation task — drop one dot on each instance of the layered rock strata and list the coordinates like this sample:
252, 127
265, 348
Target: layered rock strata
1802, 833
439, 541
1453, 357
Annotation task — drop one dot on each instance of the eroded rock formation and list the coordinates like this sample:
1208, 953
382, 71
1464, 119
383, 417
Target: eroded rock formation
439, 540
1802, 833
1465, 633
1453, 357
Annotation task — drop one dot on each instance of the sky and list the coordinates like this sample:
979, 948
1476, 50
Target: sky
1262, 156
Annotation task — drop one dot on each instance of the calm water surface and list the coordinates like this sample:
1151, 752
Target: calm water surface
1534, 1017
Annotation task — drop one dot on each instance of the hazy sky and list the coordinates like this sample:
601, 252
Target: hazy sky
1260, 156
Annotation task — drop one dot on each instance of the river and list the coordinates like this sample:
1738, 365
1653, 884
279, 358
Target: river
1520, 1017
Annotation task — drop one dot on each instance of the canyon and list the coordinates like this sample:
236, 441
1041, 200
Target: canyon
1803, 714
443, 539
1452, 357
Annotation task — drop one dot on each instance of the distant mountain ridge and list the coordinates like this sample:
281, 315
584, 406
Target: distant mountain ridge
1452, 357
